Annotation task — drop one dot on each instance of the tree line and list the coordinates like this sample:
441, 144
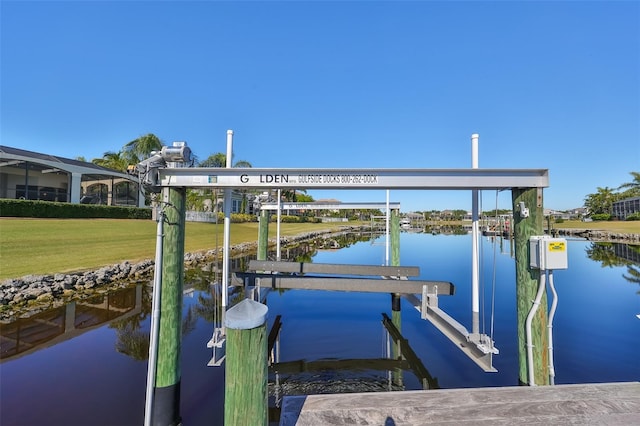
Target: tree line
600, 204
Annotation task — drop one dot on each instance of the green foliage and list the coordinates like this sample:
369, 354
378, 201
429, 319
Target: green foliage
241, 217
48, 209
633, 187
559, 220
294, 219
458, 214
491, 213
601, 202
634, 216
304, 198
131, 153
601, 216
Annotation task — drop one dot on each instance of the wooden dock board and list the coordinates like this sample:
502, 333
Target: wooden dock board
581, 404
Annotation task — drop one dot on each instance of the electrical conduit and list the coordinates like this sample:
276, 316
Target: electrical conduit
532, 312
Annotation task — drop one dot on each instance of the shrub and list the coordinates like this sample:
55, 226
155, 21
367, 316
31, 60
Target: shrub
633, 216
50, 209
242, 218
601, 216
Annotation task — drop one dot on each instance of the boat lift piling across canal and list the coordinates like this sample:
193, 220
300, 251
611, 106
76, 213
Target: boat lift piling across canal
156, 176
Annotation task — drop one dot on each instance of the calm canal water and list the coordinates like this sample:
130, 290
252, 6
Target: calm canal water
86, 363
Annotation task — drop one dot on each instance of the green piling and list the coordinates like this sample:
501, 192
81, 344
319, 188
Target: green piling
263, 235
396, 351
394, 231
166, 406
396, 312
245, 397
527, 281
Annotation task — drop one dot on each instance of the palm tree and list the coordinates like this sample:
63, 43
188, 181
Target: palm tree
112, 160
214, 160
219, 159
292, 194
601, 202
633, 187
140, 148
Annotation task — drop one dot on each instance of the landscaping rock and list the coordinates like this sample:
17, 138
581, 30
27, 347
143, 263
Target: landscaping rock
15, 293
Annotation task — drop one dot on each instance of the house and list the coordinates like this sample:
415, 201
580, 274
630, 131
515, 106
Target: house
624, 208
35, 176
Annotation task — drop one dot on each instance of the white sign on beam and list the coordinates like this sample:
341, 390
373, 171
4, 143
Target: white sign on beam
353, 178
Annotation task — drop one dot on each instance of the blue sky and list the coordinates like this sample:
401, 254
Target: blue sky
336, 84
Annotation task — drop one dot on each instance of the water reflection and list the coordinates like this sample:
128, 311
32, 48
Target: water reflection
332, 341
27, 335
616, 255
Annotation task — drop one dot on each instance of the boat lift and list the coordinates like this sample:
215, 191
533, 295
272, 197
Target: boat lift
155, 175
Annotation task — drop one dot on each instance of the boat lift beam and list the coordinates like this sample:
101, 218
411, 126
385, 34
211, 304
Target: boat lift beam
478, 347
268, 178
320, 205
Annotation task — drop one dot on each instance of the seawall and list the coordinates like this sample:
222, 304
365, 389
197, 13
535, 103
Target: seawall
30, 294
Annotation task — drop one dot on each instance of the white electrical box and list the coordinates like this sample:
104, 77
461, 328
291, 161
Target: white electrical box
548, 253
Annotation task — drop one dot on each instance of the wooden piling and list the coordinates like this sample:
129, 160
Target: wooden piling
263, 235
396, 345
527, 281
245, 401
394, 230
396, 311
166, 406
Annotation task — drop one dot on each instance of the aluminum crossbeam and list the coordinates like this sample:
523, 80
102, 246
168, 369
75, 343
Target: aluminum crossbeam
241, 178
321, 205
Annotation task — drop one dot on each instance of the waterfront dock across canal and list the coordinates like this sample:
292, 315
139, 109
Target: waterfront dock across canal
576, 404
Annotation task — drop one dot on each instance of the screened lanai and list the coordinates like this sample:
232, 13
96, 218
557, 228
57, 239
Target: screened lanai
35, 176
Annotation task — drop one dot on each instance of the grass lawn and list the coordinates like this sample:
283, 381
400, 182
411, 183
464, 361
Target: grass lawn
622, 227
48, 246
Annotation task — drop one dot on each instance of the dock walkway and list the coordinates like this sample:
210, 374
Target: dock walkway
582, 404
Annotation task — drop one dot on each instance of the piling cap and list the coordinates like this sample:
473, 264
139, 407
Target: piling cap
246, 315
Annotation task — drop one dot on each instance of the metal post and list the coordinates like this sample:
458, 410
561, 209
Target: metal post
226, 261
155, 320
527, 223
279, 214
475, 252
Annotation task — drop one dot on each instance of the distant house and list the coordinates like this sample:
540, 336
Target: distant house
35, 176
557, 214
623, 208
